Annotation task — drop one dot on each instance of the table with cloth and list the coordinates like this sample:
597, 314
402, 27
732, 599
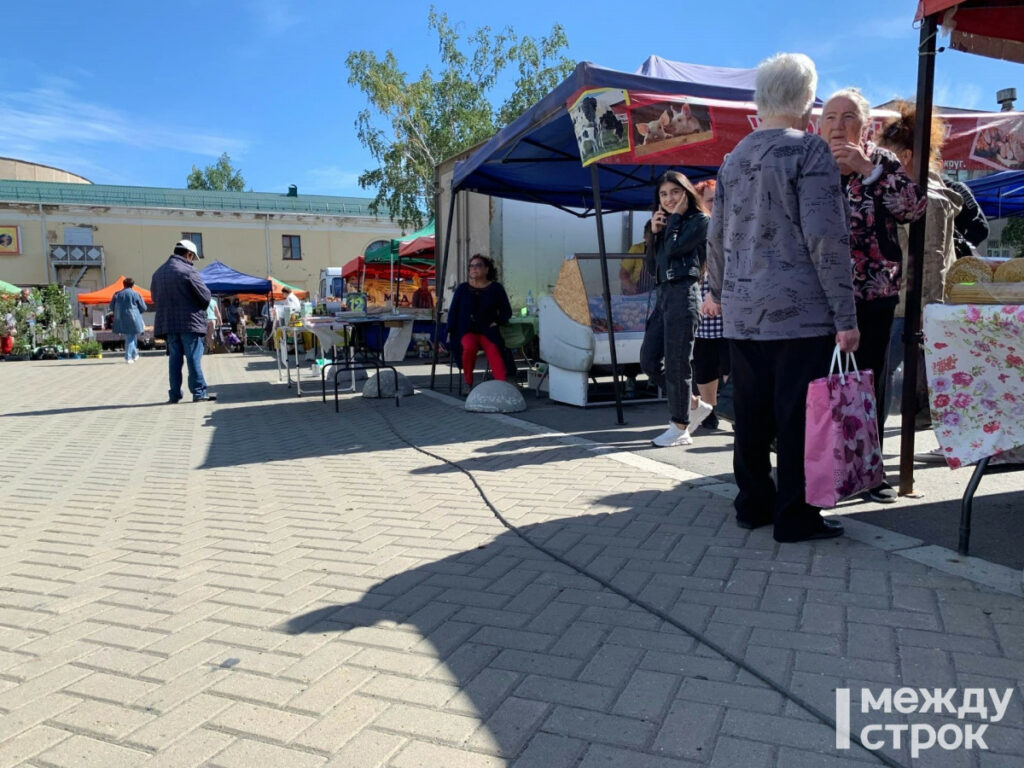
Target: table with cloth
350, 351
974, 357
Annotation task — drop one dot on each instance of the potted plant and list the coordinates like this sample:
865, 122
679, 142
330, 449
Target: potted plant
91, 348
22, 349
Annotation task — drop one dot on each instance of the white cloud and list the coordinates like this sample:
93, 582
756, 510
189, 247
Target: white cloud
962, 95
51, 118
332, 180
274, 16
893, 28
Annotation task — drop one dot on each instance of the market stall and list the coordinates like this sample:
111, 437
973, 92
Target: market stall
598, 141
276, 291
396, 269
223, 280
988, 28
102, 298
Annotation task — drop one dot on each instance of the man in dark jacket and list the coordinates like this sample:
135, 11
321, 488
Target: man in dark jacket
181, 299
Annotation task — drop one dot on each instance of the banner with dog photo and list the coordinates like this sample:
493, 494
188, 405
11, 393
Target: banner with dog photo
599, 122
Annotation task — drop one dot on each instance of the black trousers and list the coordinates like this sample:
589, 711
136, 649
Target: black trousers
874, 319
668, 344
770, 381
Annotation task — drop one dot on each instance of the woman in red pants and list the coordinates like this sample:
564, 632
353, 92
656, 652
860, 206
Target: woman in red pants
478, 307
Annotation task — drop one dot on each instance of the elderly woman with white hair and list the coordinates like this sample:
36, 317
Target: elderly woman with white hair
881, 196
779, 274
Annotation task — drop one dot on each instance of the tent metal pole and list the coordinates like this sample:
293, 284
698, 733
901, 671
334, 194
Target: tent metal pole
596, 184
912, 319
439, 280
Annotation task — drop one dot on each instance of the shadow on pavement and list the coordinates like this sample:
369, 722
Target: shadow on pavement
938, 523
539, 648
241, 432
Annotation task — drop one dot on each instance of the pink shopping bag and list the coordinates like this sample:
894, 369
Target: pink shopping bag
842, 453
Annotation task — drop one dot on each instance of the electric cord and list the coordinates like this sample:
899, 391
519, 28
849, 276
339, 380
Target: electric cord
639, 602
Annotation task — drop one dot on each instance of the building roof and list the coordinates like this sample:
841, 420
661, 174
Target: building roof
55, 193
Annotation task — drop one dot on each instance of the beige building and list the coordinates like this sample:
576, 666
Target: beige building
19, 170
85, 235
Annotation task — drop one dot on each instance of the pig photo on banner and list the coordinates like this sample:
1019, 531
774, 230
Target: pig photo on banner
665, 124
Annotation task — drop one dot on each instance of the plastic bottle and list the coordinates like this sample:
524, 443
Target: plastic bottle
531, 305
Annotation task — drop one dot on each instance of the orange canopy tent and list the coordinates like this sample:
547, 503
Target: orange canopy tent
278, 294
104, 295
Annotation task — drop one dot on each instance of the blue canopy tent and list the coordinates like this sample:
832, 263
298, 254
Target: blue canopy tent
220, 278
537, 158
1000, 194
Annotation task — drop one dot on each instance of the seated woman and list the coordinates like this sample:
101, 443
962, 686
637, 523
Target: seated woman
478, 307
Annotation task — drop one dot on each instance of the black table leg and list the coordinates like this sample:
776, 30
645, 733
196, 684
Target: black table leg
967, 503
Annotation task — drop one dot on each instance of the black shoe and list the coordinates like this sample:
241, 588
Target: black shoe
829, 529
883, 494
750, 525
204, 398
711, 422
174, 402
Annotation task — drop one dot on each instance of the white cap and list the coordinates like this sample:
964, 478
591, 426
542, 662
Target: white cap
188, 245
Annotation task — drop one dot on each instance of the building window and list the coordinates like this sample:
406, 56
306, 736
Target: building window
292, 247
197, 238
377, 244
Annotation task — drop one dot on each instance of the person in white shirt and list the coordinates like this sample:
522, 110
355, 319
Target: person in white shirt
291, 300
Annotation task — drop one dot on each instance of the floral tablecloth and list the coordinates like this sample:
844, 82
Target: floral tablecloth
974, 357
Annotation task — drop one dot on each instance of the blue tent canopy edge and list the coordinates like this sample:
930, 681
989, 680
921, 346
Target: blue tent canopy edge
1000, 194
220, 278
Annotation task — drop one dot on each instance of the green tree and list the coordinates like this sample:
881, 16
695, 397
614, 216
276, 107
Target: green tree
1013, 234
223, 175
438, 115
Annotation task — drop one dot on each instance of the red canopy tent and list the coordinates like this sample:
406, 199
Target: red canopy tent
105, 295
993, 28
358, 268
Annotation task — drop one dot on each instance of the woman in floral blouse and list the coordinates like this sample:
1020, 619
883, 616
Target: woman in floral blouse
881, 196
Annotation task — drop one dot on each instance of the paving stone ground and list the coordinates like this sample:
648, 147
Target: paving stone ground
262, 581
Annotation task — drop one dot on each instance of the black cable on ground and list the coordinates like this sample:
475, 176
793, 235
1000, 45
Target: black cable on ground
643, 604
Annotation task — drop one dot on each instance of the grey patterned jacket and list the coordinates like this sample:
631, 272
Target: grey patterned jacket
778, 244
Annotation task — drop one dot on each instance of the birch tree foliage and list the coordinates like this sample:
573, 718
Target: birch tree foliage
409, 126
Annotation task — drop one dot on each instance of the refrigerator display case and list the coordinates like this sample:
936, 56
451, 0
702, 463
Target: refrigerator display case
574, 339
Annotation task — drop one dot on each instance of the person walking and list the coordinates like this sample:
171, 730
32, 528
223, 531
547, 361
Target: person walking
779, 271
128, 306
214, 320
181, 298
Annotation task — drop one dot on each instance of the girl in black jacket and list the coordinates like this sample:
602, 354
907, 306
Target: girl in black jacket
675, 256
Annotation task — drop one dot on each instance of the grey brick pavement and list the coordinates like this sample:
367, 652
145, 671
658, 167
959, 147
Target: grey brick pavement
261, 581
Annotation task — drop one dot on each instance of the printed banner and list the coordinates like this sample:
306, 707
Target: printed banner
10, 240
620, 127
598, 118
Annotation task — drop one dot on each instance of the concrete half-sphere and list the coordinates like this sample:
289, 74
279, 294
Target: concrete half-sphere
387, 385
495, 397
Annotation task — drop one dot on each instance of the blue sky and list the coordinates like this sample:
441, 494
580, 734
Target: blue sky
138, 92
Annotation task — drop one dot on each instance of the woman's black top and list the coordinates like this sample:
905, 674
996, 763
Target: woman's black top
473, 310
679, 251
